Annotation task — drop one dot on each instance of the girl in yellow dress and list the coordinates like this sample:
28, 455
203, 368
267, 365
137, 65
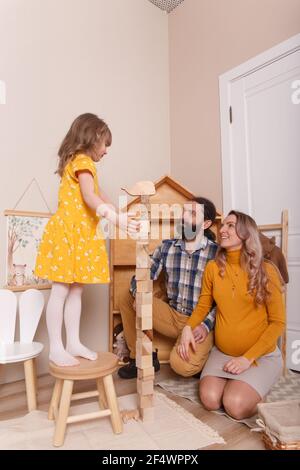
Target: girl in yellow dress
71, 253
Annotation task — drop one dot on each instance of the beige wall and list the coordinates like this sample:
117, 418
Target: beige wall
207, 38
60, 58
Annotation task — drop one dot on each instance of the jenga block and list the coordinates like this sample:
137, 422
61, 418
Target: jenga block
142, 256
155, 230
143, 348
144, 322
144, 298
143, 310
141, 337
145, 387
144, 242
146, 373
144, 286
143, 362
147, 414
142, 274
145, 198
144, 229
145, 401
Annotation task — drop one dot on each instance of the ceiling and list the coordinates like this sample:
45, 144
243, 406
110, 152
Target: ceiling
166, 5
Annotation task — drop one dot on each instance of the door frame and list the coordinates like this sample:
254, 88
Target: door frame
258, 62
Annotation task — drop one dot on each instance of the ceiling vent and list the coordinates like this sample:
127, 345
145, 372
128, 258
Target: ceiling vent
166, 5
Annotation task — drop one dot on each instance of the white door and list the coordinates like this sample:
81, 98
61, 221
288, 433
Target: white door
261, 155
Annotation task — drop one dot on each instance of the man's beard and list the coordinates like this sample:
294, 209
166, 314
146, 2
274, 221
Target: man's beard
190, 231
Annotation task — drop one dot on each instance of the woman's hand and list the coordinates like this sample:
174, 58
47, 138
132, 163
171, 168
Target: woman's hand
237, 365
200, 333
186, 340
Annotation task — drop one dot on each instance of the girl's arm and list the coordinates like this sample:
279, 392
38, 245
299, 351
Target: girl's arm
104, 197
101, 207
86, 183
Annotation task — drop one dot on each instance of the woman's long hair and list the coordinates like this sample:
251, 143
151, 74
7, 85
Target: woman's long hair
84, 133
251, 257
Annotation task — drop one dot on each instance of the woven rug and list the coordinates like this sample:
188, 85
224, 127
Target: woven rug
287, 388
173, 428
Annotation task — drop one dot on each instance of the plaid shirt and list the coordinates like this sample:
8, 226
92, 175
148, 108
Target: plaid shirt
184, 273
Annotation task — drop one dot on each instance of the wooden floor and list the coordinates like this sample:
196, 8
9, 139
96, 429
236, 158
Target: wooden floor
237, 436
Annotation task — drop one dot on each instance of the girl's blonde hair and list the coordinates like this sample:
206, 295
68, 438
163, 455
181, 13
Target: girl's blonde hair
84, 133
251, 257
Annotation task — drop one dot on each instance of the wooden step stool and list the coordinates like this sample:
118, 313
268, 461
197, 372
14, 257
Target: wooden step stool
101, 370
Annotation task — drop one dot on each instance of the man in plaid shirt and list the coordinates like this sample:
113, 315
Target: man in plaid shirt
183, 262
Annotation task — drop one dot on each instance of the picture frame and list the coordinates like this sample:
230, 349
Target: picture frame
24, 232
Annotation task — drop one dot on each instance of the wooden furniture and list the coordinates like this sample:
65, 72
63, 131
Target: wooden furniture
31, 304
101, 371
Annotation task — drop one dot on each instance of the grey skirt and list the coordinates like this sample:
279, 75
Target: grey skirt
261, 377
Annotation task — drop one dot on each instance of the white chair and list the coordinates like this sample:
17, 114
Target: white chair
31, 304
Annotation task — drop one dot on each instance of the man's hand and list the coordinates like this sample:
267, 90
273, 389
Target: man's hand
237, 365
186, 340
200, 333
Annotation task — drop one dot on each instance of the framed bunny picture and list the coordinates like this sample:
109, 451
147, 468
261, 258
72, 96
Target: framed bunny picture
24, 232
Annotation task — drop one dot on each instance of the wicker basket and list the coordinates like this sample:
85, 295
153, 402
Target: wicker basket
279, 445
280, 423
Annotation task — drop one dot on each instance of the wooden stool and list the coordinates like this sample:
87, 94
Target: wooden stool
101, 370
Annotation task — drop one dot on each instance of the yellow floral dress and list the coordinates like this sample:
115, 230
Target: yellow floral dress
70, 250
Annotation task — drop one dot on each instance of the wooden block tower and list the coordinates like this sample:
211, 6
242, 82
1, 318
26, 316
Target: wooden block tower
144, 301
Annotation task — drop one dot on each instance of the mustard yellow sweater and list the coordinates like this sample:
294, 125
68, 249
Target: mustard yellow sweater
241, 329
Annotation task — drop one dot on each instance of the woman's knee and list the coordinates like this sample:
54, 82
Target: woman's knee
210, 396
236, 406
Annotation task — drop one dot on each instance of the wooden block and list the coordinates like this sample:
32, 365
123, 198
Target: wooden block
144, 229
142, 256
145, 401
144, 298
141, 336
145, 200
154, 230
143, 362
145, 387
146, 373
144, 242
143, 310
147, 414
144, 286
143, 348
142, 274
144, 323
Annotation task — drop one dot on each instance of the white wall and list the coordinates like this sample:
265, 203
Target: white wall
207, 38
60, 58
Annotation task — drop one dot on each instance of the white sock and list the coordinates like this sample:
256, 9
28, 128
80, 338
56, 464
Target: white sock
72, 323
54, 319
